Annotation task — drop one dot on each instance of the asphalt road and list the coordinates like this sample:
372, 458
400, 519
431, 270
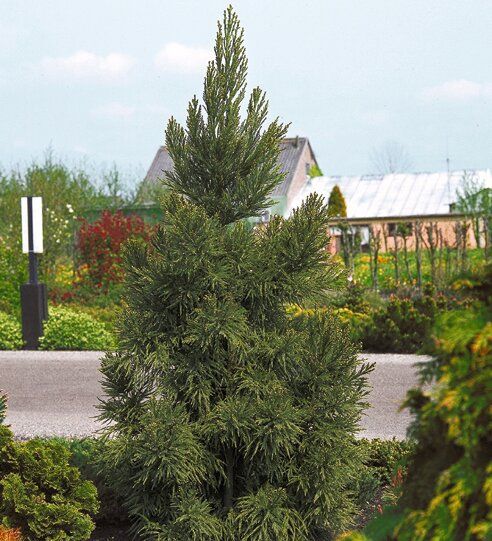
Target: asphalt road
55, 393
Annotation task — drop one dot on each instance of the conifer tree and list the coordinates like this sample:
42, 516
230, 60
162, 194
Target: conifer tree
336, 203
230, 419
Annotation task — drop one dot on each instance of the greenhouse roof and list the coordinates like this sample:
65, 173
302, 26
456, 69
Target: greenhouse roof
418, 194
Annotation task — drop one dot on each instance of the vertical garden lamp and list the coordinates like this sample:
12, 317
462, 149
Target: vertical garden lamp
33, 294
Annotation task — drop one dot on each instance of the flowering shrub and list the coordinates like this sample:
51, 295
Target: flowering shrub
99, 245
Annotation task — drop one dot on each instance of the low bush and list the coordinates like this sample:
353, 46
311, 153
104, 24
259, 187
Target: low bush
356, 322
404, 325
104, 314
13, 272
10, 332
42, 496
86, 455
385, 457
66, 329
384, 462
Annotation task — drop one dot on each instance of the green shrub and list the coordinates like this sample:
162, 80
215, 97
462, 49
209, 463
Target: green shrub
356, 322
447, 493
384, 457
104, 314
403, 326
41, 494
13, 273
10, 332
66, 329
384, 462
86, 455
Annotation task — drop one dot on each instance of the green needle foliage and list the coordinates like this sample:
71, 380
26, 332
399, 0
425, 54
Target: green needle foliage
229, 419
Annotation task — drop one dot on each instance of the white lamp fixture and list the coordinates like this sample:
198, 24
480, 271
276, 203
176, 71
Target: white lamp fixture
32, 224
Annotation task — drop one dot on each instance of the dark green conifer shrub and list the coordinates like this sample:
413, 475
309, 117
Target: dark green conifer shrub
231, 420
403, 325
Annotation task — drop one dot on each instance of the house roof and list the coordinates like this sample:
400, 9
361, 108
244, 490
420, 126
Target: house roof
291, 150
377, 196
161, 163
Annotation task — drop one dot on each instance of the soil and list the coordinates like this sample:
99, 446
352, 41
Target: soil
110, 533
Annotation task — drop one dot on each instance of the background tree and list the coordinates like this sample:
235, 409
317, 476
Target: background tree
231, 420
391, 157
338, 208
474, 200
336, 203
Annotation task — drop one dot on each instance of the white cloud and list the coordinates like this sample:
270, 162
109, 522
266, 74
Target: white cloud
459, 90
182, 58
86, 65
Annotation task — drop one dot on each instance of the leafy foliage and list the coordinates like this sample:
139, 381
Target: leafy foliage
9, 534
99, 247
447, 491
41, 495
228, 418
66, 329
226, 165
10, 332
13, 273
315, 171
85, 455
384, 457
65, 192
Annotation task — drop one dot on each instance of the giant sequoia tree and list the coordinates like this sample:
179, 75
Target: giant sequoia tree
231, 420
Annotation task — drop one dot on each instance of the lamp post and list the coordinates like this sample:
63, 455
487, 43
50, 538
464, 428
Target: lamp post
34, 305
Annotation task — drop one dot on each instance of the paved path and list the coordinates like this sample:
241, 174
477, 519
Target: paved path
55, 393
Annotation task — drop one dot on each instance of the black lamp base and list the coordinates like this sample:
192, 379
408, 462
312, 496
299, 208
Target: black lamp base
34, 306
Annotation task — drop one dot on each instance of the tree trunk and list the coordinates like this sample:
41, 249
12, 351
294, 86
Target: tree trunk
418, 255
395, 254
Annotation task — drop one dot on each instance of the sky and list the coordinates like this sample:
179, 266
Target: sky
96, 81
